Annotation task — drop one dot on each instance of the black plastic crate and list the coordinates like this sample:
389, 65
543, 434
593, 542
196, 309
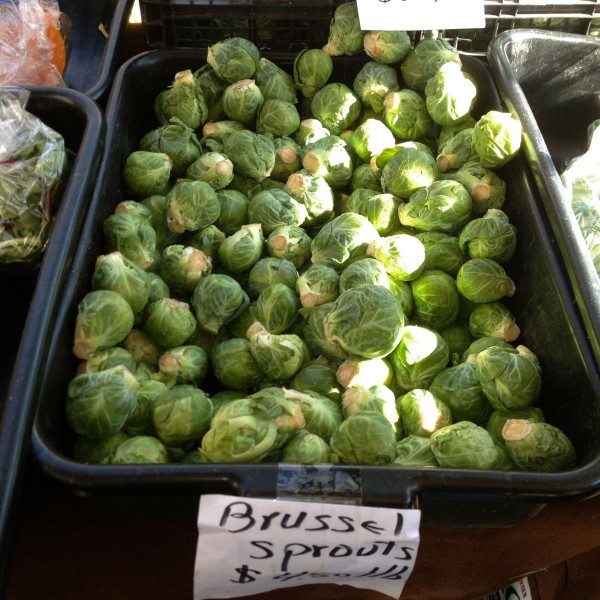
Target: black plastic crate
29, 299
543, 307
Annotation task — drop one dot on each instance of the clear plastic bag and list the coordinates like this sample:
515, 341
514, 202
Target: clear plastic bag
32, 42
32, 161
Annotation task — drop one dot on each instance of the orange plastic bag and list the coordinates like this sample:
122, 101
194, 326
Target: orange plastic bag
32, 43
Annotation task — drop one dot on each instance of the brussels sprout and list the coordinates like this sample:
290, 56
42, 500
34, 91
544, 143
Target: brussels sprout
279, 357
277, 117
268, 271
464, 445
509, 378
366, 271
225, 397
538, 446
328, 157
422, 413
415, 451
104, 318
183, 100
276, 308
185, 364
312, 70
211, 88
419, 357
274, 83
336, 107
500, 416
387, 47
458, 338
491, 236
252, 155
191, 205
221, 130
450, 131
424, 60
407, 172
136, 209
233, 59
99, 404
364, 178
274, 208
98, 452
321, 415
140, 420
217, 300
147, 173
435, 298
306, 449
377, 398
143, 372
314, 333
503, 461
169, 323
442, 252
182, 267
470, 354
177, 141
457, 152
316, 195
181, 414
309, 131
364, 438
140, 450
496, 138
157, 205
494, 320
233, 213
234, 366
405, 113
345, 35
212, 168
449, 95
236, 328
318, 376
208, 239
141, 347
133, 237
240, 251
383, 158
373, 83
483, 280
242, 100
402, 255
116, 273
107, 359
287, 158
317, 285
403, 293
365, 321
380, 209
370, 139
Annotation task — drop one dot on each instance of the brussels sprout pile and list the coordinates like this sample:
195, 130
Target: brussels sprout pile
298, 281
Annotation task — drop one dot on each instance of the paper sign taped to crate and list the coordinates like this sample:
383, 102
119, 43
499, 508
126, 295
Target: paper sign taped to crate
519, 590
248, 546
412, 15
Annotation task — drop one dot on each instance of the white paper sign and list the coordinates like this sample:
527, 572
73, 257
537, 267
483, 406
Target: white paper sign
414, 15
519, 590
247, 546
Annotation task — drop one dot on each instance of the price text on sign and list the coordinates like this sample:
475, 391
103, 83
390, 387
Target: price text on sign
412, 15
248, 546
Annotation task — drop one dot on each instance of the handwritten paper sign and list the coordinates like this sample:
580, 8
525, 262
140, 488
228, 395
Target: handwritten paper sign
414, 15
247, 546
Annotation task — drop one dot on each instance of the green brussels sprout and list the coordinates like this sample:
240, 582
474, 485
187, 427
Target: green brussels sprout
182, 267
277, 117
415, 451
211, 88
364, 438
268, 271
538, 446
183, 101
234, 366
496, 138
225, 397
503, 461
177, 141
377, 398
366, 321
364, 178
408, 172
185, 364
424, 60
422, 413
107, 359
213, 168
405, 113
274, 208
322, 416
252, 155
289, 243
217, 300
373, 83
345, 35
233, 213
157, 205
236, 328
336, 107
419, 357
136, 209
509, 378
242, 100
195, 457
457, 152
370, 139
450, 131
279, 357
169, 323
458, 338
309, 131
99, 404
500, 416
387, 47
483, 280
317, 285
306, 449
141, 450
116, 273
208, 239
316, 195
470, 354
449, 95
240, 251
435, 299
491, 236
140, 420
181, 414
104, 318
233, 59
277, 308
97, 452
381, 209
402, 255
287, 158
385, 156
464, 445
442, 252
314, 335
274, 83
133, 237
366, 271
206, 340
219, 131
318, 376
312, 70
494, 320
144, 372
191, 205
328, 157
139, 345
403, 293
